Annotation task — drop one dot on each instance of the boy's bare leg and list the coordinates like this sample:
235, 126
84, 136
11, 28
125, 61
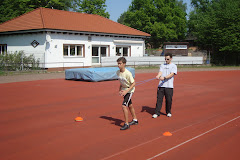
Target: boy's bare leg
132, 111
125, 112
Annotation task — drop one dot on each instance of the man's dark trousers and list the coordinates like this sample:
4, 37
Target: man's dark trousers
168, 93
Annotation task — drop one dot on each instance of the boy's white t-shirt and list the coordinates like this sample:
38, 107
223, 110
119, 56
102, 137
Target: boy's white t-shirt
126, 79
166, 69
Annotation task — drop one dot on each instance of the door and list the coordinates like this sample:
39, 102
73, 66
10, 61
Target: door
97, 53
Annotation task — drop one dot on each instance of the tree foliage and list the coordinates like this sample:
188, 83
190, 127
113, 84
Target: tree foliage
216, 24
92, 7
165, 20
12, 8
121, 18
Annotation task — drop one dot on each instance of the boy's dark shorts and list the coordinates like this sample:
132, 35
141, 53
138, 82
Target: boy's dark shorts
127, 99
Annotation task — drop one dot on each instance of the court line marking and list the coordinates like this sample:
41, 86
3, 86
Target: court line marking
113, 155
142, 144
192, 139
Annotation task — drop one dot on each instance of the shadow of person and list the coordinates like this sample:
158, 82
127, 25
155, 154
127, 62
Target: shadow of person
150, 110
114, 121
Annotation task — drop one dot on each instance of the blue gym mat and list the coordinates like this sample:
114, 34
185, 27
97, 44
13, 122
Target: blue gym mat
94, 74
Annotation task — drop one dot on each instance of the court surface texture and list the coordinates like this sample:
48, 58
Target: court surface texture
37, 119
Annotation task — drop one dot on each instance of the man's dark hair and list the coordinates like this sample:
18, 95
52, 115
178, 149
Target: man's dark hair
122, 59
168, 54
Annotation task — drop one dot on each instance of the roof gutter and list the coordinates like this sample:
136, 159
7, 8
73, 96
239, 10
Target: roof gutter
74, 32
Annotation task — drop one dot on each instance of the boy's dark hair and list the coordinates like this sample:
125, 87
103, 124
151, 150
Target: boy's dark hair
122, 59
168, 54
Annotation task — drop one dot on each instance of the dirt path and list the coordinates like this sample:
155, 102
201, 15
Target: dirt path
57, 75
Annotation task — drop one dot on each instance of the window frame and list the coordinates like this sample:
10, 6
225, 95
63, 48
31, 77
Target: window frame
3, 49
76, 50
122, 47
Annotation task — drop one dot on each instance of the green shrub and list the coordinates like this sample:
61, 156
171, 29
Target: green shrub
18, 61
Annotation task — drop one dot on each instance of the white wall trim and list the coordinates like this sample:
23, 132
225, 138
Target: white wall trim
128, 41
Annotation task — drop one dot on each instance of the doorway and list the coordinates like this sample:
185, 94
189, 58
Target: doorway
98, 52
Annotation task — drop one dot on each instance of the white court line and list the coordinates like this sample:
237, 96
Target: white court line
192, 139
142, 144
154, 139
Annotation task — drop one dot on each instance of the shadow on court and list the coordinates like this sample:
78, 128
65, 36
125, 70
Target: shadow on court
114, 121
150, 110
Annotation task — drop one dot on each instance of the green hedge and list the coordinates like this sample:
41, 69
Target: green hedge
18, 61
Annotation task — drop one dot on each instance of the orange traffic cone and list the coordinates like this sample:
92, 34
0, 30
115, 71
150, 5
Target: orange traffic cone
79, 119
167, 134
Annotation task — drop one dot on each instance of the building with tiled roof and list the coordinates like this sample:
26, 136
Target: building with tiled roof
72, 39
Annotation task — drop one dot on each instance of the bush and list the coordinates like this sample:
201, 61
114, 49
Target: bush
18, 61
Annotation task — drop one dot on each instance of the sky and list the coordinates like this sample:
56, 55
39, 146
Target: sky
116, 7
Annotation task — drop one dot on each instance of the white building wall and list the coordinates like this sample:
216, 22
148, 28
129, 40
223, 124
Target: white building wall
54, 48
137, 46
50, 48
22, 42
54, 51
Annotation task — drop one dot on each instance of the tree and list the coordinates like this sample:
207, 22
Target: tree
12, 8
201, 4
182, 5
91, 7
165, 20
216, 24
121, 18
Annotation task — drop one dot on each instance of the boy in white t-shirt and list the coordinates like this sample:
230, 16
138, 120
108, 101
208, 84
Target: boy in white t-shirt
165, 87
126, 89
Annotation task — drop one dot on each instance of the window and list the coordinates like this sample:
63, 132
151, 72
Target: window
3, 49
95, 51
65, 50
73, 50
125, 51
79, 51
122, 51
103, 51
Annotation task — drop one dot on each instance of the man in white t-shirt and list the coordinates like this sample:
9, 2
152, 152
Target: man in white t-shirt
165, 87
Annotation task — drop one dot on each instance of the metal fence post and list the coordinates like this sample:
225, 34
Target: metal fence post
22, 61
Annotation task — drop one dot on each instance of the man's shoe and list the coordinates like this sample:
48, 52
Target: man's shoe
155, 116
169, 115
133, 122
125, 127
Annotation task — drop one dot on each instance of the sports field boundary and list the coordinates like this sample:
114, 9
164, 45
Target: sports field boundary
200, 135
58, 75
172, 148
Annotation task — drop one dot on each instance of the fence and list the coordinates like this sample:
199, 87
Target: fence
39, 66
151, 61
156, 63
105, 62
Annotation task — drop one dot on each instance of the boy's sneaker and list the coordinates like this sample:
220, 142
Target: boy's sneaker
155, 116
133, 122
169, 115
125, 127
